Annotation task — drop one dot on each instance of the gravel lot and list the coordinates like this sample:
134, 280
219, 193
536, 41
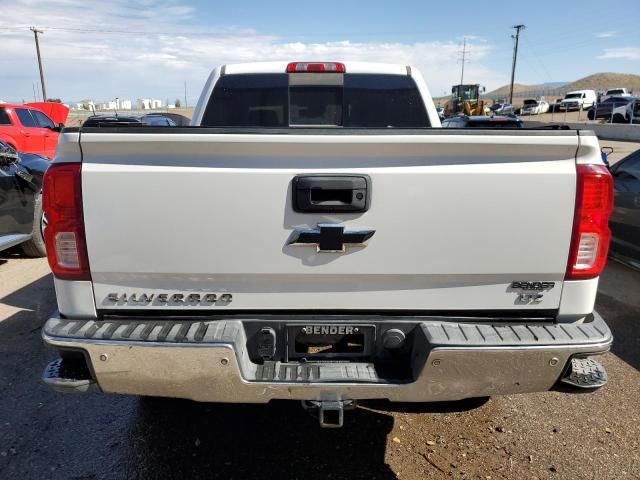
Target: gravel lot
548, 435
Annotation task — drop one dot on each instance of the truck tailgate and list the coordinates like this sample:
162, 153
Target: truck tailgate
458, 217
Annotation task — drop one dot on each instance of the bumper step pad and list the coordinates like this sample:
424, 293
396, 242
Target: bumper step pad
69, 377
585, 373
440, 333
321, 372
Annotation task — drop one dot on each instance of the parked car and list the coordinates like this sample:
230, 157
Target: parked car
555, 106
629, 113
534, 107
158, 120
440, 112
625, 219
501, 109
482, 121
179, 120
578, 100
28, 129
152, 119
605, 108
20, 200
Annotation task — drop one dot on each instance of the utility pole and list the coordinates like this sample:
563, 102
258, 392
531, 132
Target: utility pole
185, 94
35, 34
515, 56
464, 59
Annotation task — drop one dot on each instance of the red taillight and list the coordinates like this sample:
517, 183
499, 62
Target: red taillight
316, 67
64, 225
591, 234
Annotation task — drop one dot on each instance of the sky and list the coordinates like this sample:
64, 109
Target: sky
142, 48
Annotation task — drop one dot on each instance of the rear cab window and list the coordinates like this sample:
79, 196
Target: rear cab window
334, 100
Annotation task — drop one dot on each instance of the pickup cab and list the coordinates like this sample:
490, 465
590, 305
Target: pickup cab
617, 92
316, 236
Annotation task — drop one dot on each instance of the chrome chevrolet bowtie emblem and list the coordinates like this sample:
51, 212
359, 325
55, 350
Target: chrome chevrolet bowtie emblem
329, 237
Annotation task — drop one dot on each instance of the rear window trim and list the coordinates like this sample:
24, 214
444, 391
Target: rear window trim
286, 114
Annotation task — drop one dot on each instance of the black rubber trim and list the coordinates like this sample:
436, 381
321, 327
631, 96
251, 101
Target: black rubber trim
150, 130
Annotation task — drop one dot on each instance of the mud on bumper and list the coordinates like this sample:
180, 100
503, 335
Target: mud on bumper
209, 361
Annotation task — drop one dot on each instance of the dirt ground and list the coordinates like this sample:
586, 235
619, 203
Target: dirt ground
44, 434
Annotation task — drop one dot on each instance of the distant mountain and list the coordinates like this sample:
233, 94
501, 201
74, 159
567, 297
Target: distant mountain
518, 90
603, 81
597, 81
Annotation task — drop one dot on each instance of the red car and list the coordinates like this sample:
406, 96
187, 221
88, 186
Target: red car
27, 128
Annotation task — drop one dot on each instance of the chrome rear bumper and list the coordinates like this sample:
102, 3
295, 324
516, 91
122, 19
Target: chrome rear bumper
208, 361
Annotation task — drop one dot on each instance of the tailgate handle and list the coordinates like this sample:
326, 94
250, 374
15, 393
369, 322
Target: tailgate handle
331, 193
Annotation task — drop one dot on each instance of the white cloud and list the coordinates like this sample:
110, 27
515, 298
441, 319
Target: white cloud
606, 34
136, 48
623, 53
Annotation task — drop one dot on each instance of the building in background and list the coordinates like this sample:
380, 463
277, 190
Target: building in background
148, 103
86, 105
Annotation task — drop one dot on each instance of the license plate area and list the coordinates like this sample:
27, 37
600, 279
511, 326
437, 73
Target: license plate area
330, 341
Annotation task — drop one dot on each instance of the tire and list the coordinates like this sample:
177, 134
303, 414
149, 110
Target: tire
617, 118
35, 248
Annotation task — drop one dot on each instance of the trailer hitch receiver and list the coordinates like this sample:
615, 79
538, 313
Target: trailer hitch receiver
330, 412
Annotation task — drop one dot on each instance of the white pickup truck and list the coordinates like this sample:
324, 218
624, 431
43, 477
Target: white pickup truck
316, 236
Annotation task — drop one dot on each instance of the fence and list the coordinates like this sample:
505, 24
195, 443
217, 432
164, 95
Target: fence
599, 111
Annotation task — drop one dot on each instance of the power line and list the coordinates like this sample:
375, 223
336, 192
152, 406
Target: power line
539, 60
515, 57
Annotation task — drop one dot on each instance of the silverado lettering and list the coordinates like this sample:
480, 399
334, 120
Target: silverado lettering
169, 298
